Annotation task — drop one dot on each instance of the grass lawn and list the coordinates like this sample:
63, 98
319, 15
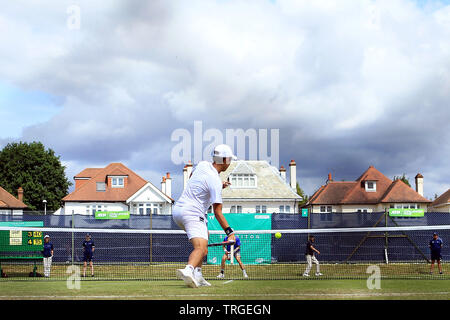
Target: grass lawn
227, 289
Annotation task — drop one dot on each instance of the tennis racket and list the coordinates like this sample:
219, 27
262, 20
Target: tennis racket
223, 243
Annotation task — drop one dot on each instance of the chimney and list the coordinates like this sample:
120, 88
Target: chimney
293, 174
283, 173
168, 185
184, 177
330, 178
419, 184
20, 194
163, 185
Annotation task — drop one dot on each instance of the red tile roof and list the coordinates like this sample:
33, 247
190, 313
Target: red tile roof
353, 192
442, 199
88, 191
88, 173
8, 201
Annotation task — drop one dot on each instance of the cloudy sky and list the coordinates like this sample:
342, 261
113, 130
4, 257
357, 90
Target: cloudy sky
348, 84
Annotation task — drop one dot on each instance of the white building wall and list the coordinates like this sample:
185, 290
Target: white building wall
85, 208
250, 206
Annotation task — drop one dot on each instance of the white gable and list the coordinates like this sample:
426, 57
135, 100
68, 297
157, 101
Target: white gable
149, 193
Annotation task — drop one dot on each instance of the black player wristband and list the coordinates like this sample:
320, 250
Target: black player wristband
228, 231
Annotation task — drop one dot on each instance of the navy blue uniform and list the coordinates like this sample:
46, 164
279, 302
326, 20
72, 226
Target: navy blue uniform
435, 247
309, 250
237, 245
88, 245
48, 248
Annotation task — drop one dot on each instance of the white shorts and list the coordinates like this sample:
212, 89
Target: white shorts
195, 226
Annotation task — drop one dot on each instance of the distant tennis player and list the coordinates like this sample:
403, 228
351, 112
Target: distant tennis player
203, 189
47, 252
310, 258
88, 254
227, 256
435, 247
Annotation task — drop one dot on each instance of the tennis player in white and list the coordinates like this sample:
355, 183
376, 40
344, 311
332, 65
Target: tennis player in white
203, 189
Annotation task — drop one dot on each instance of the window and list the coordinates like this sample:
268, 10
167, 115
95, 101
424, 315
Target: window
263, 209
285, 209
117, 182
326, 213
405, 206
101, 186
243, 181
141, 209
371, 186
236, 209
258, 209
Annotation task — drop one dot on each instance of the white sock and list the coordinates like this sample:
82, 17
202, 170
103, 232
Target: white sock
190, 268
198, 271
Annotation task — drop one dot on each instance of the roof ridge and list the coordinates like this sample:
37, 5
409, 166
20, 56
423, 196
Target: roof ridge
444, 196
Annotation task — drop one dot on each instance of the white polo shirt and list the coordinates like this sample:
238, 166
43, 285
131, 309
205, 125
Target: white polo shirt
202, 190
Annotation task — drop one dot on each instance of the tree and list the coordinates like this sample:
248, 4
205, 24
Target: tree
302, 194
37, 170
404, 179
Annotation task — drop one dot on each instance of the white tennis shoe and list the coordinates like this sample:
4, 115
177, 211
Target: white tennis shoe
306, 275
202, 282
319, 274
188, 277
221, 276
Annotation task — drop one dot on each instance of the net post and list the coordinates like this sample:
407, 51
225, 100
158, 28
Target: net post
73, 244
151, 237
386, 236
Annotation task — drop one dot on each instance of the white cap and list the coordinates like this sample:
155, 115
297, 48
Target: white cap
223, 151
46, 236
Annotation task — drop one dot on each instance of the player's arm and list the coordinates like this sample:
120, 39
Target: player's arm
51, 252
314, 249
217, 207
93, 247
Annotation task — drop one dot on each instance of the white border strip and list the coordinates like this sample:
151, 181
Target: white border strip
285, 231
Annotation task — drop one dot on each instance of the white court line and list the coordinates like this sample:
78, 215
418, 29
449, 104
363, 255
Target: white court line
228, 281
388, 294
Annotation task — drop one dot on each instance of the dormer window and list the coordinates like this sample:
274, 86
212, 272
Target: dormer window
243, 180
117, 182
371, 186
101, 186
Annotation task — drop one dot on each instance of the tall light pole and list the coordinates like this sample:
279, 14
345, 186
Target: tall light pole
45, 207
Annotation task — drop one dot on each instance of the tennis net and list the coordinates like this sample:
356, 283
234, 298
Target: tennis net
123, 254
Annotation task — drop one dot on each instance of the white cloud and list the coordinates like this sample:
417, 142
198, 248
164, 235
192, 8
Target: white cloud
319, 70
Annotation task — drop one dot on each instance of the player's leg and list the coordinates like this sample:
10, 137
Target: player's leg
432, 266
92, 267
197, 232
45, 266
238, 259
49, 265
308, 265
314, 260
222, 266
439, 265
84, 266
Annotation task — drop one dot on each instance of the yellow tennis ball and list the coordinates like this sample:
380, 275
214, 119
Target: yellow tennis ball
278, 235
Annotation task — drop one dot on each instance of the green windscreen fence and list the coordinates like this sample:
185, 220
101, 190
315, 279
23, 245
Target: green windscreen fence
255, 247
